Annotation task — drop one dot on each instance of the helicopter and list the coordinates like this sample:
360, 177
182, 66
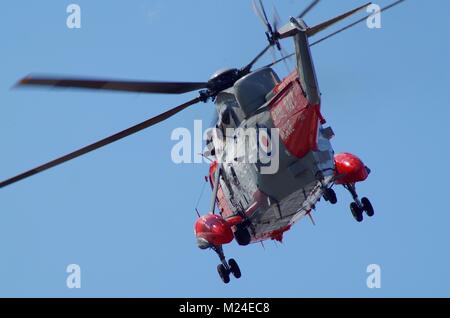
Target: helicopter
295, 166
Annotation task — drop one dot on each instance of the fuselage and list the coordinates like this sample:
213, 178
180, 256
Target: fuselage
273, 201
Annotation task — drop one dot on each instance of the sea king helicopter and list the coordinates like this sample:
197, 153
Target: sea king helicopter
253, 205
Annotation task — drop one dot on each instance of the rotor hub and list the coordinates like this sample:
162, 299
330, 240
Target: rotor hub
223, 79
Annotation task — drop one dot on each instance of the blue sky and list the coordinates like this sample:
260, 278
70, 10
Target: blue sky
125, 213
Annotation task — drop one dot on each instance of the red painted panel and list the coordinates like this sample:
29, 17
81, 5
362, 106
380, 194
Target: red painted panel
214, 229
297, 121
349, 168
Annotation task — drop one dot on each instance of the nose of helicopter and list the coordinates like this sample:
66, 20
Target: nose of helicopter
212, 229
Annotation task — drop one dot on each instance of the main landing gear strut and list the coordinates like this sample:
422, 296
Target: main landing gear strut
357, 207
226, 268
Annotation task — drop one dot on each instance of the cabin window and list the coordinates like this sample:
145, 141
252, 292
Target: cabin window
230, 112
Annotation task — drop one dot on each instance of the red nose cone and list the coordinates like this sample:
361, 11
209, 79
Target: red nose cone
349, 168
213, 229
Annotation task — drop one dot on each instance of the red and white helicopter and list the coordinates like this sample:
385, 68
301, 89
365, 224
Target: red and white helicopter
253, 205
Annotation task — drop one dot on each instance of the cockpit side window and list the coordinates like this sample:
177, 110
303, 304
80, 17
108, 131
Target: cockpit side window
230, 113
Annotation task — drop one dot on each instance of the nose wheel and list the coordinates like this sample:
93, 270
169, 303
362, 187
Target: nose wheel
358, 207
226, 268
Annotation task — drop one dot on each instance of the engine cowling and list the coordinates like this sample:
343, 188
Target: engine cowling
212, 229
349, 168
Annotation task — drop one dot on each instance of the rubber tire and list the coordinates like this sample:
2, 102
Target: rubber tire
223, 273
331, 196
356, 212
234, 267
242, 236
367, 207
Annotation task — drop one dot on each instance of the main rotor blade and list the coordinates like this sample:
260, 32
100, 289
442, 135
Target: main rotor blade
279, 60
246, 69
337, 32
355, 23
308, 8
124, 133
129, 86
324, 25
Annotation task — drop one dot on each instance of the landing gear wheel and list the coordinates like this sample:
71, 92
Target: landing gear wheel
357, 212
234, 268
223, 273
330, 196
242, 236
367, 206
